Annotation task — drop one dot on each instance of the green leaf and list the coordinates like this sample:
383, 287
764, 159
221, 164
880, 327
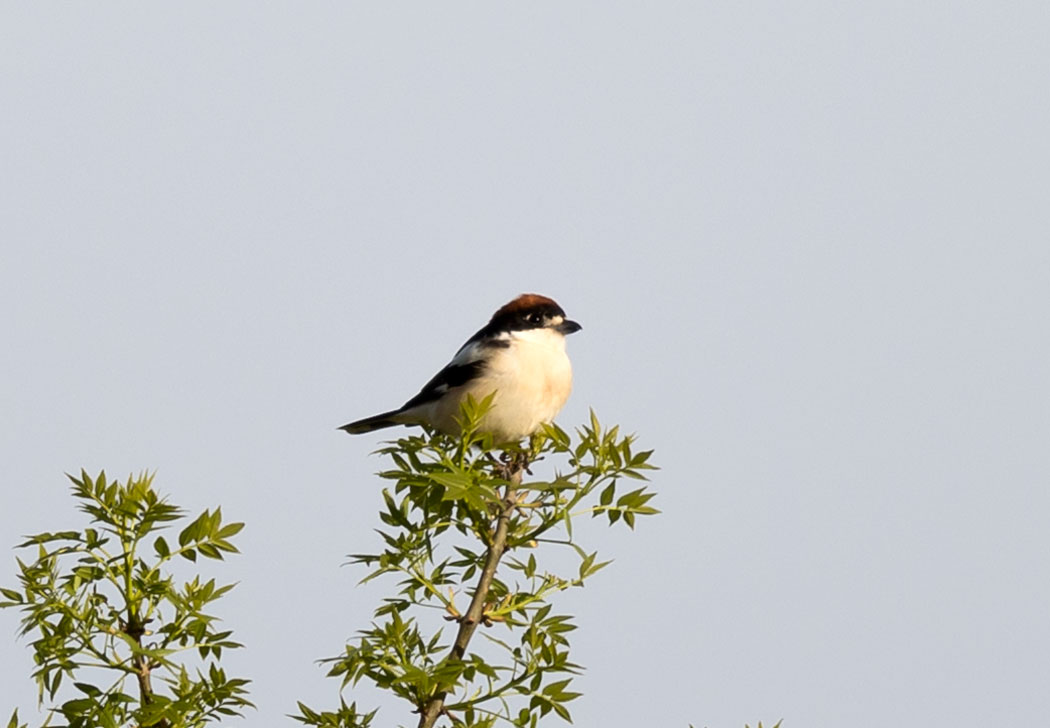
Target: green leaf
457, 483
14, 596
88, 689
209, 550
229, 530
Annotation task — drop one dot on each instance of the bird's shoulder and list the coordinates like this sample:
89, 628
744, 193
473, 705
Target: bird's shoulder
468, 364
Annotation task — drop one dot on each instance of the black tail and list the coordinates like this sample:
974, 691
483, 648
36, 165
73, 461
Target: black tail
375, 422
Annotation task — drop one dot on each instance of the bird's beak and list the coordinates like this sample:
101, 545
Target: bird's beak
567, 327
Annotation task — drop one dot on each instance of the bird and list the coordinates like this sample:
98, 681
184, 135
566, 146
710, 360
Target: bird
518, 357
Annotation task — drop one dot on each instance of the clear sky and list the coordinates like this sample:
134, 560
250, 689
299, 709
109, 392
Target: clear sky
809, 244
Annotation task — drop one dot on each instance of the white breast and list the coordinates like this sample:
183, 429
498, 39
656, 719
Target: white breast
532, 379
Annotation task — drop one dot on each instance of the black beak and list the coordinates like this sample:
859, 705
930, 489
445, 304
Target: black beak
567, 327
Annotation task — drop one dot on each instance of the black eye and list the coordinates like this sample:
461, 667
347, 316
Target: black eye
534, 318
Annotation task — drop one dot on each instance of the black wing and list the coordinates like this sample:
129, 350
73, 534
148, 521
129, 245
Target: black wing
451, 376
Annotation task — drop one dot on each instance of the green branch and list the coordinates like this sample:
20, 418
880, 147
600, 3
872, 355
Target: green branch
455, 508
97, 612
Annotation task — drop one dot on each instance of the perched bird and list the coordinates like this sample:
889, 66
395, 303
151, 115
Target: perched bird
519, 355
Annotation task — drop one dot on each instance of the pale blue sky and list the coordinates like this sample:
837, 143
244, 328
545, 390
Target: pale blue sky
808, 243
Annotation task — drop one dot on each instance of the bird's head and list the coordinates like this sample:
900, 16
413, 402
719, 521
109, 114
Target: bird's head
531, 311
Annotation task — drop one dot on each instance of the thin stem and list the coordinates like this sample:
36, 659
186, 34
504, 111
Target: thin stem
417, 573
551, 588
135, 627
432, 709
142, 675
496, 693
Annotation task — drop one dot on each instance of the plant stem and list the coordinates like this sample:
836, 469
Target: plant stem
468, 624
142, 670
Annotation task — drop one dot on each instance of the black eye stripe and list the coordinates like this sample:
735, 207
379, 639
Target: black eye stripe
506, 321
